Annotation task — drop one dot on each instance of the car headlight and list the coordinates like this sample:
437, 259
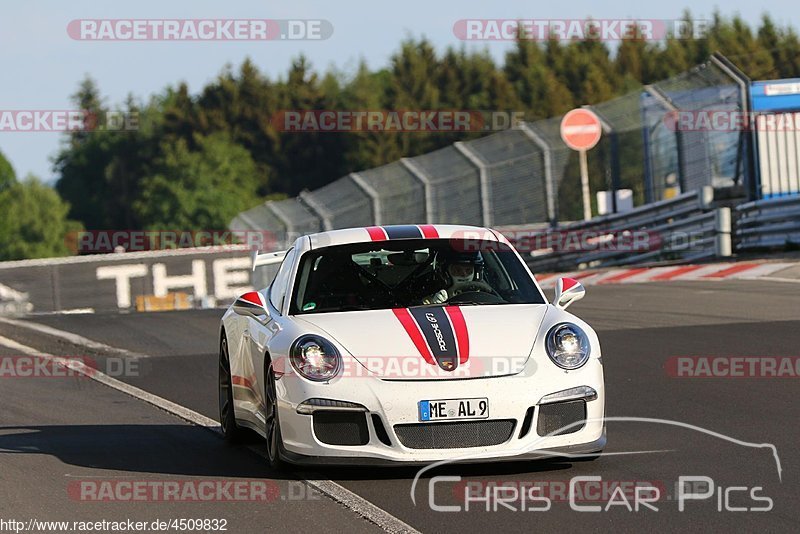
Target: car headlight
315, 358
568, 346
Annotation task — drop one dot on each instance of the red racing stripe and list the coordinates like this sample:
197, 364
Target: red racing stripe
462, 334
429, 231
413, 332
376, 233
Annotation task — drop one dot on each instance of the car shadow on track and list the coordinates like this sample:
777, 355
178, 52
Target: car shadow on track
463, 469
193, 451
159, 449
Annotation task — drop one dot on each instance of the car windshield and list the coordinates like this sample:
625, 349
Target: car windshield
413, 272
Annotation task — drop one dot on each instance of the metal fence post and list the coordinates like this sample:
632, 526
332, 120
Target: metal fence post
324, 216
417, 173
614, 163
706, 197
665, 101
486, 192
548, 170
372, 194
285, 220
248, 220
743, 81
722, 233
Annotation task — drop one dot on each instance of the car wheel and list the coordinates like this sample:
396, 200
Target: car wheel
271, 421
227, 419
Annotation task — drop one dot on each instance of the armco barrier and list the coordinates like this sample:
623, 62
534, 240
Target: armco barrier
769, 223
211, 276
684, 228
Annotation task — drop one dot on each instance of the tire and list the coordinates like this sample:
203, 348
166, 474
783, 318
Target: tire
232, 432
272, 424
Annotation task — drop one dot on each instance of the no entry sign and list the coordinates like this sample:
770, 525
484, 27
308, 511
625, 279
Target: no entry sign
580, 129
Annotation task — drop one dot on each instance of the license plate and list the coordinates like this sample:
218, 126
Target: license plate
453, 409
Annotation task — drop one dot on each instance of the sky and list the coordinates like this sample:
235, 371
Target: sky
42, 65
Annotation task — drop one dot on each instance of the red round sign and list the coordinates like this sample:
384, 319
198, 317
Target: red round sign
580, 129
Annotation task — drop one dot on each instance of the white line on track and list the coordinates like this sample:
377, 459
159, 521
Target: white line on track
69, 336
338, 493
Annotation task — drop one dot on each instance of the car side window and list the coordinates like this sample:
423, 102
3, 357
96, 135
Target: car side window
279, 285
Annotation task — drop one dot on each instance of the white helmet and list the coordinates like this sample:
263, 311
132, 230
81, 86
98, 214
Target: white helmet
461, 273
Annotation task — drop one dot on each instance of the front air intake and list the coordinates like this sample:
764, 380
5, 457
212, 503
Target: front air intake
561, 418
341, 428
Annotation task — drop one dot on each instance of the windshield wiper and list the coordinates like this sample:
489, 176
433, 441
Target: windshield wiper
460, 303
345, 307
475, 303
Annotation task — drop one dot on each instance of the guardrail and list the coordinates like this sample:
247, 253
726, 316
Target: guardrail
684, 228
769, 223
210, 276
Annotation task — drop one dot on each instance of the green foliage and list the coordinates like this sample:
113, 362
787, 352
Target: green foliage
202, 188
199, 158
33, 221
7, 175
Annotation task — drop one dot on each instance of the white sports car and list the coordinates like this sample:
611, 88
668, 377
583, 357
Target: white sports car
409, 344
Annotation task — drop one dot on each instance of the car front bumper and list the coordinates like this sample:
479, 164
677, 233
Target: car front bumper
395, 403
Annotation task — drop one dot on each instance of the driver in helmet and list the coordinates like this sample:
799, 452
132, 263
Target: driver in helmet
462, 273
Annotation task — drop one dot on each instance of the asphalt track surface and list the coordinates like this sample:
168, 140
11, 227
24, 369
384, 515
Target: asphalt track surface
55, 431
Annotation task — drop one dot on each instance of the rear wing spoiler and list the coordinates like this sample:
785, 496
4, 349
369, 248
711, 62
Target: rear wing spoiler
267, 258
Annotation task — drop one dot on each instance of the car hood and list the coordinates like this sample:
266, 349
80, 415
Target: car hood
435, 342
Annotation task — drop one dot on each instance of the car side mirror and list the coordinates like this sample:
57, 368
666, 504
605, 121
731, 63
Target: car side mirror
253, 305
568, 290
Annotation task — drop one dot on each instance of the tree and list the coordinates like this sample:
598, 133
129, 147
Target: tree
100, 168
784, 47
539, 91
197, 189
308, 159
7, 175
33, 221
737, 41
101, 173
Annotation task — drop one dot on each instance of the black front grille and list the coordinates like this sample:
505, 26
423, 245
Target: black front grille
555, 419
341, 428
460, 435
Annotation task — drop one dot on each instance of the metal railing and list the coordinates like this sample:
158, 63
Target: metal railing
770, 223
685, 228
